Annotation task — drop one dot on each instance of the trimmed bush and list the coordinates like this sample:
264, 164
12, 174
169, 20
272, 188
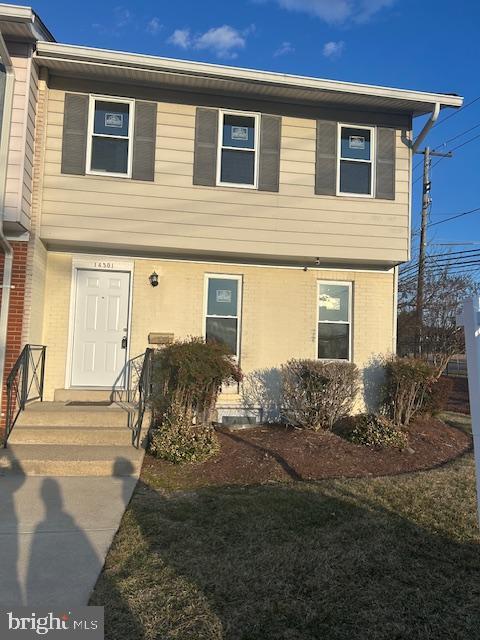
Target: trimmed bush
316, 394
187, 377
178, 440
372, 430
407, 385
437, 396
191, 372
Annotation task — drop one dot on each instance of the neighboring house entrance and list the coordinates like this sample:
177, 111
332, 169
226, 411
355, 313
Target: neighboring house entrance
100, 328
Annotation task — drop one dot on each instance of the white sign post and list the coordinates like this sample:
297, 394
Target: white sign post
470, 319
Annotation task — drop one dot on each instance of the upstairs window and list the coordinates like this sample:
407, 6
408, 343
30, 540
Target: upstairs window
334, 320
355, 161
222, 318
109, 150
237, 149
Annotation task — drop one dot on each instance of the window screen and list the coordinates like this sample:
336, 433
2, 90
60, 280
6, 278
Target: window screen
238, 149
110, 143
334, 301
222, 317
355, 158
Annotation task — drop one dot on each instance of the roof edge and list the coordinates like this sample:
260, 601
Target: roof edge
20, 13
77, 53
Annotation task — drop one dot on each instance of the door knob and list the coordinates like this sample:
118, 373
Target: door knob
124, 342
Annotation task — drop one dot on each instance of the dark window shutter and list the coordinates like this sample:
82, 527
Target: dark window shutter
326, 158
385, 181
205, 157
269, 161
74, 141
144, 139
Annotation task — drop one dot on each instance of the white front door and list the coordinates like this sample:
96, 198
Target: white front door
100, 328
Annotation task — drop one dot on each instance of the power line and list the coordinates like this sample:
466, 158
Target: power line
444, 144
454, 217
457, 147
453, 244
440, 258
459, 135
469, 270
444, 257
455, 113
433, 268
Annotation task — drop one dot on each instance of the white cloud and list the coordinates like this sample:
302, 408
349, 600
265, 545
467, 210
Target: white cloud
181, 38
284, 49
337, 11
121, 18
154, 26
369, 8
223, 41
333, 50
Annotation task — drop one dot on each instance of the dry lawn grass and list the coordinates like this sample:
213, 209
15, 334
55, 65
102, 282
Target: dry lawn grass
370, 559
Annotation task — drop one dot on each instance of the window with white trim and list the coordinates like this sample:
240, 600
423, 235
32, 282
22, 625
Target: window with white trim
355, 169
222, 311
237, 149
110, 127
334, 320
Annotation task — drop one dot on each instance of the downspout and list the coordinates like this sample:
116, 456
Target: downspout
4, 244
428, 125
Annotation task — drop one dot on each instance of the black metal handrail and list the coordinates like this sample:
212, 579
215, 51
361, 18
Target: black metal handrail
139, 390
24, 384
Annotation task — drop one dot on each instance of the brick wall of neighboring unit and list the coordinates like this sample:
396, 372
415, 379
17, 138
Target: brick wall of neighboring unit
15, 318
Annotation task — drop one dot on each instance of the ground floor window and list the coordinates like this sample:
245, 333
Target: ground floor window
222, 311
334, 320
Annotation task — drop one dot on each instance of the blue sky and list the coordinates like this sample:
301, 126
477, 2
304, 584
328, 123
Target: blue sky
430, 45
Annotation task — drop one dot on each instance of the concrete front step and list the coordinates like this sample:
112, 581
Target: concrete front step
49, 414
82, 395
89, 436
68, 460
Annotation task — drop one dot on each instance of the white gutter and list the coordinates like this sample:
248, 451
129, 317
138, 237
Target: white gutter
428, 125
25, 15
4, 244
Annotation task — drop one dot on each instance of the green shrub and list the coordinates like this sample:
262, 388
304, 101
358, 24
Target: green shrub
407, 384
316, 394
437, 396
178, 440
373, 430
191, 372
186, 380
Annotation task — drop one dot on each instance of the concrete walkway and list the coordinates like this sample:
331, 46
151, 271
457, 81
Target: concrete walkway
54, 535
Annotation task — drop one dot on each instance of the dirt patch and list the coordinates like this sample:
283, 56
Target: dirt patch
458, 400
276, 453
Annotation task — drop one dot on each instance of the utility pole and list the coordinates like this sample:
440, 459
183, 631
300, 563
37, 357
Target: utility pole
426, 201
422, 253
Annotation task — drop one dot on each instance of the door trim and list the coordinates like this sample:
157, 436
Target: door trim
97, 263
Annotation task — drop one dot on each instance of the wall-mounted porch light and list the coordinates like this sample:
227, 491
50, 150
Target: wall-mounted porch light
153, 278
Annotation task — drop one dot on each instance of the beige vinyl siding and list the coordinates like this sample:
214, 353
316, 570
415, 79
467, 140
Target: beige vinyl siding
29, 141
174, 215
18, 195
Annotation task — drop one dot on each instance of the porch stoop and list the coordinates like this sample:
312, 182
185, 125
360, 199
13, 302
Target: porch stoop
53, 438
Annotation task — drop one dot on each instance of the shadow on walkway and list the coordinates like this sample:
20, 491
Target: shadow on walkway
9, 552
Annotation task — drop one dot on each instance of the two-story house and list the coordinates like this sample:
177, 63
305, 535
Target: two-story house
265, 210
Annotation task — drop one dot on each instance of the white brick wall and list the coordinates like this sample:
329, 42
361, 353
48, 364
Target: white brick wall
278, 319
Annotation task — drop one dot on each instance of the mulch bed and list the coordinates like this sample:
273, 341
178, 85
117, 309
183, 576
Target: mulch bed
458, 400
277, 453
